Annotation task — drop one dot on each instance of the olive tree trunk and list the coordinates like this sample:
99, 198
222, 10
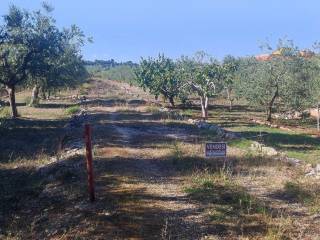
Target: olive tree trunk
35, 96
229, 99
204, 106
12, 99
270, 105
171, 101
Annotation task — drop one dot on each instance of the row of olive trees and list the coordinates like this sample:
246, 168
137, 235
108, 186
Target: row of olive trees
34, 52
201, 75
288, 80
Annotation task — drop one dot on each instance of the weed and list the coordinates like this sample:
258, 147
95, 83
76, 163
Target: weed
177, 153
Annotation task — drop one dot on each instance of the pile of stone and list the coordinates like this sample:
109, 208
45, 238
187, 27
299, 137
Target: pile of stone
292, 115
293, 161
167, 113
71, 147
222, 133
262, 149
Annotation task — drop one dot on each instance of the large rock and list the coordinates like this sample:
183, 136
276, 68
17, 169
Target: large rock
314, 171
293, 161
215, 128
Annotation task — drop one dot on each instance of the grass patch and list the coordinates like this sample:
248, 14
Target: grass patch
227, 202
73, 110
5, 113
187, 112
240, 143
293, 144
306, 193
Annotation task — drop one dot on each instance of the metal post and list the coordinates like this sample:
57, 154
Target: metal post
87, 136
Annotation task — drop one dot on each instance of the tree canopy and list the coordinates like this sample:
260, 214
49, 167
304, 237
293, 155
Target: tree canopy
33, 49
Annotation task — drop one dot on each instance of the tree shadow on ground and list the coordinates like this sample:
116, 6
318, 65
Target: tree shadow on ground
55, 105
26, 138
285, 141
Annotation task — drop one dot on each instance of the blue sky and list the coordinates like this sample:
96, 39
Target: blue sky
128, 29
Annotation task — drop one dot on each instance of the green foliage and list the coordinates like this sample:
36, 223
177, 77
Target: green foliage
73, 110
160, 77
284, 81
202, 75
230, 68
34, 51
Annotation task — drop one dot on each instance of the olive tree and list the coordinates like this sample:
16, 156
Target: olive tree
262, 82
230, 67
30, 44
202, 75
159, 76
64, 70
285, 78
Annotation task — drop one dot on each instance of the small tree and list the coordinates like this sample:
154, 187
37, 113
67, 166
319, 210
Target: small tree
230, 69
159, 77
203, 75
66, 69
299, 90
265, 82
26, 40
29, 45
285, 78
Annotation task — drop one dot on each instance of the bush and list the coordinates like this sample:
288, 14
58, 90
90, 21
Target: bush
72, 110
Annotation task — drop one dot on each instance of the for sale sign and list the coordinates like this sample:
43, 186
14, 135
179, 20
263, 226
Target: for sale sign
216, 149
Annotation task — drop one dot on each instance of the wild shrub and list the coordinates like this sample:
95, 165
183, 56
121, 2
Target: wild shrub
72, 110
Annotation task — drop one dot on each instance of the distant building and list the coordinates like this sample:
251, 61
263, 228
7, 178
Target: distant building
266, 57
